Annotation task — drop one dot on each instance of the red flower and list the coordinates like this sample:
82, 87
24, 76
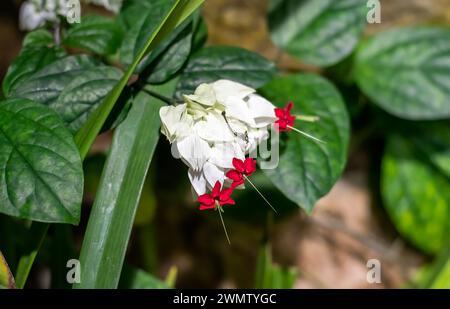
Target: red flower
222, 197
285, 119
247, 168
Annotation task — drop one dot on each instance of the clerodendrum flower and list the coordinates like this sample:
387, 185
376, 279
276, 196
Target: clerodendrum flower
220, 122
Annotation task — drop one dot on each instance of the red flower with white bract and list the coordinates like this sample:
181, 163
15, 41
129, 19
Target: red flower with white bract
285, 120
242, 169
217, 197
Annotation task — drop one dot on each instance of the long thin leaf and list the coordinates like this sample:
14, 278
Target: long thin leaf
176, 15
111, 220
37, 234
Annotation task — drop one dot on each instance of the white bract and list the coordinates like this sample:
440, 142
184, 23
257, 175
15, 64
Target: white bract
220, 121
35, 13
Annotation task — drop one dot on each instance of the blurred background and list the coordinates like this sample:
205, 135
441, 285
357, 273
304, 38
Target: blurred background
330, 248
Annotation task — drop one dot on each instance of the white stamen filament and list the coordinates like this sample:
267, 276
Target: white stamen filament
273, 208
307, 135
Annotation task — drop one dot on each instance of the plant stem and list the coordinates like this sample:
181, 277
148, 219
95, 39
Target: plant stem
161, 97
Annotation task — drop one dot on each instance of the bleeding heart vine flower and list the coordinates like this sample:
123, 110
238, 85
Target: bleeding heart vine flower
241, 170
217, 198
35, 13
219, 122
285, 120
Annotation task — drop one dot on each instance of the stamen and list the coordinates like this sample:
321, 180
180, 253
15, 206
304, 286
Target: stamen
219, 209
307, 135
273, 208
229, 126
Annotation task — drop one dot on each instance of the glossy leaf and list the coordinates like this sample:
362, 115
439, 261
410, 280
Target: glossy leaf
170, 56
43, 177
318, 32
142, 19
307, 170
73, 86
98, 34
36, 53
117, 199
406, 72
416, 196
221, 62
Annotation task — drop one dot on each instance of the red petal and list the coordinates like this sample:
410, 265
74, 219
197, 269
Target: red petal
237, 183
234, 175
229, 201
279, 112
206, 199
289, 106
225, 194
216, 190
206, 207
238, 165
250, 166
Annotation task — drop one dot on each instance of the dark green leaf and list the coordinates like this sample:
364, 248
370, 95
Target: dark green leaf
406, 72
319, 32
170, 56
98, 34
221, 62
437, 275
84, 94
307, 170
416, 196
37, 52
73, 86
42, 177
133, 278
141, 19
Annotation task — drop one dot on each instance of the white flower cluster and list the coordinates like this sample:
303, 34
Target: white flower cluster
220, 121
35, 13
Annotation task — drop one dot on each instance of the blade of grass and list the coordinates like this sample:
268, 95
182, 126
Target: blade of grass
176, 15
111, 220
37, 234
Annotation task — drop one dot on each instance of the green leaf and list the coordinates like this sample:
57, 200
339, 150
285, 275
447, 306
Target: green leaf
406, 72
117, 199
221, 62
37, 52
416, 196
6, 278
437, 275
307, 170
166, 23
84, 94
42, 177
143, 18
433, 141
98, 34
45, 85
73, 86
170, 56
38, 38
318, 32
134, 278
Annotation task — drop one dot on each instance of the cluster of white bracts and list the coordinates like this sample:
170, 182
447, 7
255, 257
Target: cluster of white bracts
219, 122
35, 13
